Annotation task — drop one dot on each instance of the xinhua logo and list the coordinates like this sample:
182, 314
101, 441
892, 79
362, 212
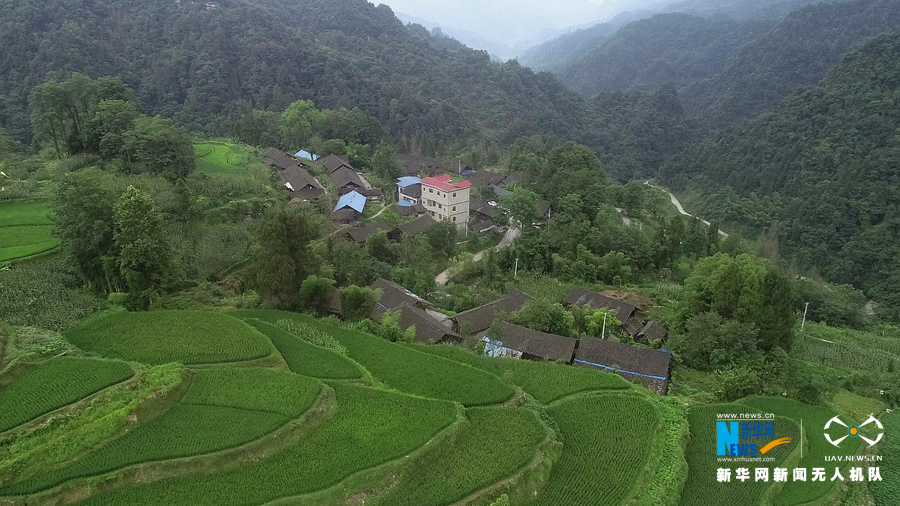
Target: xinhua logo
746, 438
854, 431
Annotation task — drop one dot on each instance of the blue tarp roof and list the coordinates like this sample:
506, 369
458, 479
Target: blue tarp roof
306, 155
352, 200
403, 182
405, 203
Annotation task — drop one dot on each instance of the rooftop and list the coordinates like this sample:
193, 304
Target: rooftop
352, 200
537, 344
481, 318
445, 182
650, 367
583, 297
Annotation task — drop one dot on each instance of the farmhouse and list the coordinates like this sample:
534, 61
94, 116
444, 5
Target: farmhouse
583, 297
446, 200
649, 367
652, 332
413, 165
394, 297
409, 189
481, 216
305, 155
334, 162
362, 234
410, 229
404, 208
428, 329
479, 319
485, 178
346, 181
349, 208
299, 182
524, 343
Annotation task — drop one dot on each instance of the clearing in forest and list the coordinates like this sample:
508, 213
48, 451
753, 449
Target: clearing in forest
25, 230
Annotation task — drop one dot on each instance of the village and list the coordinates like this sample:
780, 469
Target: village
429, 192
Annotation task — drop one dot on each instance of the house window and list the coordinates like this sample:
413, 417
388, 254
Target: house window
430, 190
454, 208
454, 194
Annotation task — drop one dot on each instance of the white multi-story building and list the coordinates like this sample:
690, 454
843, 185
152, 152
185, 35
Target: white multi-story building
446, 200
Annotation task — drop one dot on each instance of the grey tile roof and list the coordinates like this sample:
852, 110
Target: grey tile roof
649, 367
481, 318
537, 344
428, 329
583, 297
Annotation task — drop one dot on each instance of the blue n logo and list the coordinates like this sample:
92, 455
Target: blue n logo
725, 437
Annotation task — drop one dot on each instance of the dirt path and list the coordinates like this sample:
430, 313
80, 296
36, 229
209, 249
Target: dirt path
350, 225
680, 208
508, 239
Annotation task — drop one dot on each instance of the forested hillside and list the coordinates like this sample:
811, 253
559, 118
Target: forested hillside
822, 167
671, 47
726, 70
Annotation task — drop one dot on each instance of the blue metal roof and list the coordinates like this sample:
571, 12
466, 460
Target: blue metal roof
405, 203
352, 200
306, 155
403, 182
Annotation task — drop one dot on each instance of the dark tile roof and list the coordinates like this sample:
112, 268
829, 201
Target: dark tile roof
413, 190
308, 194
410, 210
414, 164
484, 178
583, 297
633, 326
543, 207
481, 207
652, 332
428, 329
537, 344
295, 178
416, 226
362, 234
649, 367
513, 178
481, 318
346, 178
372, 192
335, 162
480, 225
393, 297
345, 215
280, 159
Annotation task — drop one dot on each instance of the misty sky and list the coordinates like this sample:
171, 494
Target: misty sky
515, 23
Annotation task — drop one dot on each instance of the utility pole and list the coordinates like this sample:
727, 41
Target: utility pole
516, 271
603, 332
803, 323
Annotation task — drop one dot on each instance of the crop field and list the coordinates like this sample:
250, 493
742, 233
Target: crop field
887, 492
157, 337
545, 381
406, 369
224, 408
494, 444
305, 358
253, 388
849, 350
701, 488
221, 158
606, 446
56, 383
369, 428
25, 230
815, 448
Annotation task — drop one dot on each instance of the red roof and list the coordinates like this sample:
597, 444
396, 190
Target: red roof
443, 183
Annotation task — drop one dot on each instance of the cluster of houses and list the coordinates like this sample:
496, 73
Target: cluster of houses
649, 367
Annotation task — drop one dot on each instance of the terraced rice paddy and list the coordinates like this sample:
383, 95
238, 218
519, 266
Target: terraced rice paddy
607, 442
406, 369
305, 358
25, 230
221, 159
370, 427
54, 384
545, 381
157, 337
493, 445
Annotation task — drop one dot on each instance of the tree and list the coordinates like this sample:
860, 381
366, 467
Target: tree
358, 302
711, 342
156, 146
441, 236
85, 209
298, 123
384, 162
543, 316
143, 253
111, 121
281, 256
777, 316
381, 248
316, 294
520, 208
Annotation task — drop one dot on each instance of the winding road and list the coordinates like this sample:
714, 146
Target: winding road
680, 208
508, 239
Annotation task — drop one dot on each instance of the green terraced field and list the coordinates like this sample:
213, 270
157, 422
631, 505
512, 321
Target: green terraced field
157, 337
253, 388
545, 381
815, 449
25, 230
607, 442
222, 159
493, 445
224, 408
54, 384
701, 488
887, 491
405, 369
370, 427
305, 358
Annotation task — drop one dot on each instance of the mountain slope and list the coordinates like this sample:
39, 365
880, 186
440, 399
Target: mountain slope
820, 172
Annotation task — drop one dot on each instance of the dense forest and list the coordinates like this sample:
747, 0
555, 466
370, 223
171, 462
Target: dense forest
818, 174
727, 70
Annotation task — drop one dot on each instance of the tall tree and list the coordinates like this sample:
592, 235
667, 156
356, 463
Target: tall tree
157, 146
384, 163
143, 252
